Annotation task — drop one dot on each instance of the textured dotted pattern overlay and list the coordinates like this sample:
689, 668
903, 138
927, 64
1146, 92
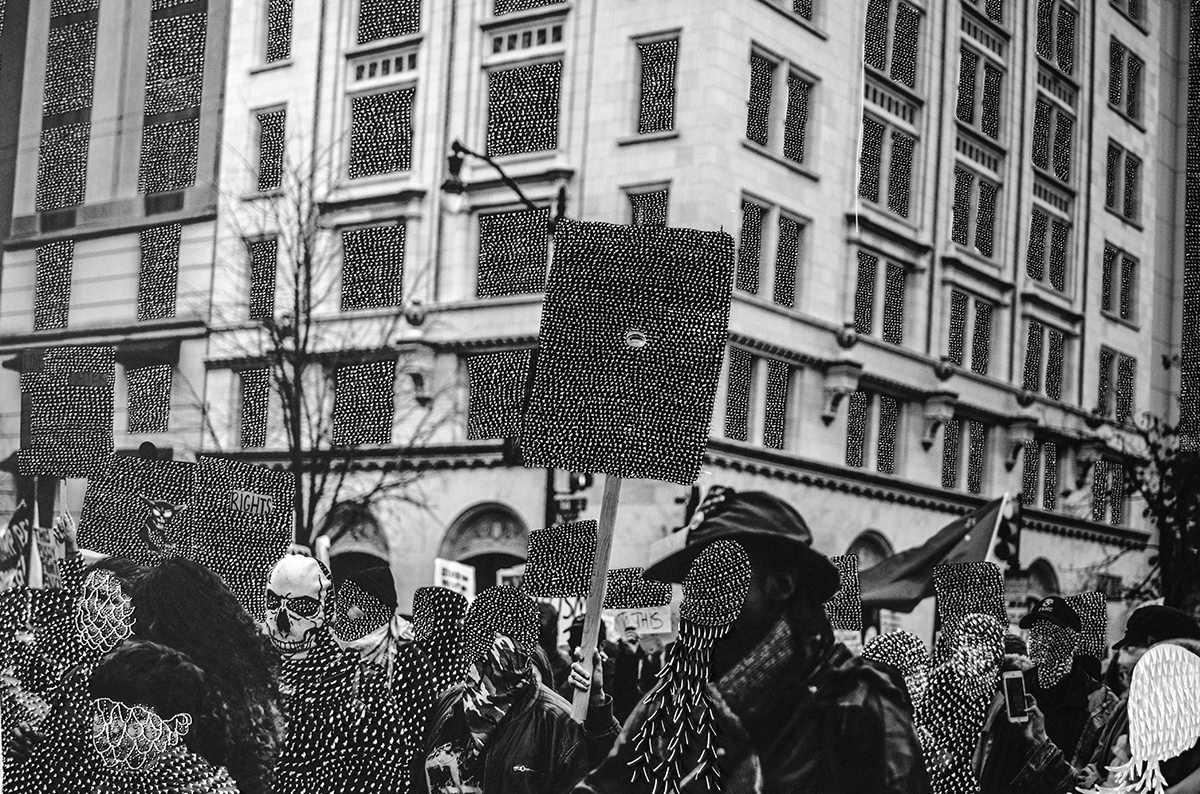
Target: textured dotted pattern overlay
364, 406
62, 166
864, 293
1040, 151
497, 386
175, 63
158, 276
656, 111
264, 262
502, 7
169, 153
628, 588
560, 561
775, 425
981, 342
737, 396
272, 128
279, 30
256, 391
66, 106
1092, 608
889, 417
387, 19
958, 326
750, 248
70, 390
758, 118
372, 267
796, 121
149, 398
115, 514
523, 109
381, 133
845, 608
951, 448
969, 588
893, 304
619, 322
52, 289
513, 252
787, 261
976, 455
856, 428
870, 161
1033, 357
1054, 363
650, 209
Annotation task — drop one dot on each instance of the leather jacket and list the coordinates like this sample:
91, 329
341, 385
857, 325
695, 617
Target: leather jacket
536, 749
845, 728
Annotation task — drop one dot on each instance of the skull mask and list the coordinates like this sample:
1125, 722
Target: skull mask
297, 604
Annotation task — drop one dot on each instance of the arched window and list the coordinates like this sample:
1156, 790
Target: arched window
489, 536
1043, 579
871, 548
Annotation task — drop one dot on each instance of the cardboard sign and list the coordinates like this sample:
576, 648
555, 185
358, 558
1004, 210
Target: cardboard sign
259, 504
851, 639
49, 551
455, 576
652, 620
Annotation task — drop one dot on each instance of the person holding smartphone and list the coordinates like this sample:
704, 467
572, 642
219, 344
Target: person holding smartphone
1044, 750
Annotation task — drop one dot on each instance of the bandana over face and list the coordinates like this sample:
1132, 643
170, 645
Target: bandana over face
1052, 649
494, 683
906, 653
133, 738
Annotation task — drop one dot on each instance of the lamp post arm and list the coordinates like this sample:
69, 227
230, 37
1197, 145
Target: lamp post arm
458, 147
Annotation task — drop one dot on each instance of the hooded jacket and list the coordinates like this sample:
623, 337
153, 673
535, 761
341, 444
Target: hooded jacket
845, 728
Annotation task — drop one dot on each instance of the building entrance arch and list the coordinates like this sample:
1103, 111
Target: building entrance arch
489, 536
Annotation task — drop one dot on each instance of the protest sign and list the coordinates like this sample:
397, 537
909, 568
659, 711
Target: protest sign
455, 576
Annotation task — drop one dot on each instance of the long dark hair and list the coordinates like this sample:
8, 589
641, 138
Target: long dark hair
185, 606
149, 674
124, 570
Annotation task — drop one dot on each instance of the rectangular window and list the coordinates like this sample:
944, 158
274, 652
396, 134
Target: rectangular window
1053, 139
523, 109
66, 109
271, 135
1108, 492
964, 440
279, 30
886, 154
889, 419
514, 251
1039, 479
758, 116
1116, 385
856, 428
1032, 380
158, 276
149, 403
803, 8
893, 31
1045, 356
1122, 192
749, 250
1055, 341
256, 384
364, 404
1119, 283
737, 397
372, 267
795, 124
981, 331
1124, 80
656, 110
864, 293
978, 226
52, 285
173, 90
1056, 33
775, 426
979, 93
381, 133
893, 304
387, 19
264, 262
650, 208
1051, 236
787, 261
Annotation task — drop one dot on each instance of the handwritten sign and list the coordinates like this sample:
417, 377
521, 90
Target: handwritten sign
258, 504
655, 620
850, 638
455, 576
49, 551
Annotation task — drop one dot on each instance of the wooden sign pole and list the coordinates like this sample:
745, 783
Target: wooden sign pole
595, 601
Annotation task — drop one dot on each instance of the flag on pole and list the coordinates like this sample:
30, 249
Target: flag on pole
904, 580
14, 548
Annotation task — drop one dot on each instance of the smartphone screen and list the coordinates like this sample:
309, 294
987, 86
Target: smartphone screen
1014, 697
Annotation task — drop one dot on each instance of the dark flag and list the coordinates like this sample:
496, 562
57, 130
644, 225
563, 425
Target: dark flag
904, 580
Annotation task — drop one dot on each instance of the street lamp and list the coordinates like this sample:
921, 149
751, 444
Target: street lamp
454, 190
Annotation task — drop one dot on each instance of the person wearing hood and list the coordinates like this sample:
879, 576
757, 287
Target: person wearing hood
794, 710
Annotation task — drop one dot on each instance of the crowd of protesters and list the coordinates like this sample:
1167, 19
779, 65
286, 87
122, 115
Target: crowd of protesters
132, 679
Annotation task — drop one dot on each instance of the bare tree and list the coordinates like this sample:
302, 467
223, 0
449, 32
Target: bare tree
310, 339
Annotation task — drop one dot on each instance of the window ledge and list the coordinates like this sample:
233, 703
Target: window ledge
807, 24
908, 93
270, 67
1053, 66
382, 45
1132, 121
649, 137
973, 255
1137, 23
874, 220
1127, 221
791, 165
257, 195
1116, 318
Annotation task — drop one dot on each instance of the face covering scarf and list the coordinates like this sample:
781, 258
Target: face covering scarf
1052, 649
494, 684
133, 738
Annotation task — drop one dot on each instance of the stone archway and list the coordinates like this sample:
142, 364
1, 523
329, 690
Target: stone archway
356, 539
489, 536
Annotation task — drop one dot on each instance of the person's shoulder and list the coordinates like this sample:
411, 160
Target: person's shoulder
551, 702
854, 681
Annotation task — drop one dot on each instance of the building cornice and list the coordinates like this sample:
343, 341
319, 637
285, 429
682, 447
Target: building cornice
175, 328
725, 454
488, 454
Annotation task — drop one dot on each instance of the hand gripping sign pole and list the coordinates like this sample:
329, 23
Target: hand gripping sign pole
595, 601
